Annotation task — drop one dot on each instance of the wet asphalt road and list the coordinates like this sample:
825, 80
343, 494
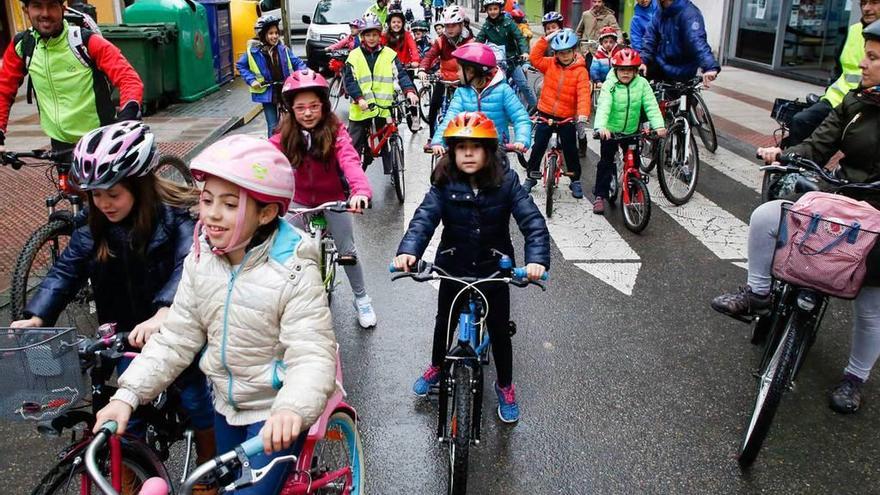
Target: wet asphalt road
641, 393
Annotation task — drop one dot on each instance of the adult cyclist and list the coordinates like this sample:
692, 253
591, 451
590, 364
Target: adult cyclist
674, 45
850, 128
71, 77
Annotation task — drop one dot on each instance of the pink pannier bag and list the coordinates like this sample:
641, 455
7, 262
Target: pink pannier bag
823, 243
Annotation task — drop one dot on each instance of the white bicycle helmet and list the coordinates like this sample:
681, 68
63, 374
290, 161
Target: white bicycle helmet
453, 15
105, 156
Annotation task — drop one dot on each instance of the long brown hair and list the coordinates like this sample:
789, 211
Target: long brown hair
490, 175
149, 193
323, 134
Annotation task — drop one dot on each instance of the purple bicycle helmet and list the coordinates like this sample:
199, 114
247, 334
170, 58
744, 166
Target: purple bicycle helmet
107, 155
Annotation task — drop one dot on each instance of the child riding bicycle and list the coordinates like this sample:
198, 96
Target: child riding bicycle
601, 64
484, 88
265, 65
420, 35
499, 29
369, 73
474, 194
566, 95
138, 232
350, 42
251, 304
325, 168
621, 102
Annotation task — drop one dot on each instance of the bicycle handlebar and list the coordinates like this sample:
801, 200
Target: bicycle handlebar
427, 271
793, 164
616, 136
13, 158
334, 206
107, 430
695, 84
551, 122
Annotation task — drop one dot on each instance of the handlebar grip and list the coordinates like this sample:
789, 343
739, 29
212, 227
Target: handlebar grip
391, 268
253, 446
111, 427
520, 272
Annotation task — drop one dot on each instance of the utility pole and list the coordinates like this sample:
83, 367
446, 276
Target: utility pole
576, 11
285, 22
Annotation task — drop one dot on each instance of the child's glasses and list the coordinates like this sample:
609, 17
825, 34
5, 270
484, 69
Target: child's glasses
301, 109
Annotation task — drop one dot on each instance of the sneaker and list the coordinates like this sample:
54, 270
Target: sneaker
366, 315
576, 191
428, 379
508, 411
599, 205
847, 395
744, 302
528, 184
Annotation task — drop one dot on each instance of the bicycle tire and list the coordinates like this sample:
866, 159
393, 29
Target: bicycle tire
328, 268
706, 127
636, 211
650, 155
773, 380
342, 430
66, 477
425, 102
33, 263
398, 168
550, 183
336, 91
670, 172
538, 84
174, 169
460, 431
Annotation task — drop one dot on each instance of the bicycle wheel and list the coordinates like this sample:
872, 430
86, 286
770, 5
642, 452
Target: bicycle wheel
636, 209
550, 182
538, 84
37, 256
397, 167
328, 266
174, 169
677, 173
703, 120
650, 154
68, 477
772, 382
425, 102
341, 447
336, 91
460, 429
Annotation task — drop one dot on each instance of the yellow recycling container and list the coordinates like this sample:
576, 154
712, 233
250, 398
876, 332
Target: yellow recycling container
244, 14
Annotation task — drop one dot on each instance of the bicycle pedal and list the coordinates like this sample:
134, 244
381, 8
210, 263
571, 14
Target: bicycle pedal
347, 260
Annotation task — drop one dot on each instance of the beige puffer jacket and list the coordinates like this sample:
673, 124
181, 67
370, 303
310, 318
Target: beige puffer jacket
267, 326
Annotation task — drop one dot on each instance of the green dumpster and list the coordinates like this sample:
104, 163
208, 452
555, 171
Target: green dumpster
142, 46
167, 58
195, 59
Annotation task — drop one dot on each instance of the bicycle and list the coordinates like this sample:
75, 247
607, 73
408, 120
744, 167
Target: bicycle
460, 388
336, 85
48, 364
389, 135
553, 162
316, 226
631, 184
789, 328
677, 154
47, 242
449, 88
787, 186
331, 460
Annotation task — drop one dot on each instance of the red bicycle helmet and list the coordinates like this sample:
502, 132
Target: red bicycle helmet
626, 57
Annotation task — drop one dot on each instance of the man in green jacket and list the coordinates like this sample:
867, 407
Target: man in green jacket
804, 123
380, 10
499, 29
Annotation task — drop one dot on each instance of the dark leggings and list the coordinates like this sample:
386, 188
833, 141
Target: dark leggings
567, 138
606, 169
498, 320
437, 95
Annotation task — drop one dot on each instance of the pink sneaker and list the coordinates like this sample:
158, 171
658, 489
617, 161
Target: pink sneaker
599, 205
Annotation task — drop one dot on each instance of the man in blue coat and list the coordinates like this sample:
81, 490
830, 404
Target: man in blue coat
644, 13
674, 46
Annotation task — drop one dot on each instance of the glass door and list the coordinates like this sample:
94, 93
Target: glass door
815, 31
754, 37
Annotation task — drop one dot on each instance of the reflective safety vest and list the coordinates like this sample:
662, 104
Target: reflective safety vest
376, 86
850, 58
252, 65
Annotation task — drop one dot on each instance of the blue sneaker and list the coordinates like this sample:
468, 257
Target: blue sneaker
508, 411
576, 191
430, 377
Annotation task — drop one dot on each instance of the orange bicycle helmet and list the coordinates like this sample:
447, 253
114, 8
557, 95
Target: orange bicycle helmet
471, 125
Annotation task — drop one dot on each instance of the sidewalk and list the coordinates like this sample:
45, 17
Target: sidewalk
182, 129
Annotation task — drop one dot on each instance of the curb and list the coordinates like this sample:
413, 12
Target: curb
230, 125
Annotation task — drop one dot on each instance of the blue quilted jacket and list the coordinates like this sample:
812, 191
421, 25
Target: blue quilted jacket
640, 22
676, 41
499, 102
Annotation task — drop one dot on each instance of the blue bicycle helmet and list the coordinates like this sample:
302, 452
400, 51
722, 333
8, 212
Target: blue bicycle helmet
565, 39
552, 17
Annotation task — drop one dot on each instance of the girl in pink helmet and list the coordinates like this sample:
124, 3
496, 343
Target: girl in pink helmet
326, 167
251, 303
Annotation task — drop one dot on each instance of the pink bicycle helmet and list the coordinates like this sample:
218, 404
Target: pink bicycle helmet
106, 155
477, 55
302, 80
256, 166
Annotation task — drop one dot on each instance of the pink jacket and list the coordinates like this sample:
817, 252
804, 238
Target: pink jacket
346, 43
317, 182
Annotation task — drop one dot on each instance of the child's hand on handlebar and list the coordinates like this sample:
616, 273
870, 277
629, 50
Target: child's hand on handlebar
143, 331
438, 150
280, 430
604, 134
519, 147
661, 132
362, 103
535, 271
413, 98
358, 203
117, 411
769, 155
404, 262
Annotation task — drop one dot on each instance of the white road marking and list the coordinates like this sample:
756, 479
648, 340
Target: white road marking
747, 173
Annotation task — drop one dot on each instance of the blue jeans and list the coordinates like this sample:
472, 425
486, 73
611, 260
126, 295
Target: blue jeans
229, 437
271, 112
522, 85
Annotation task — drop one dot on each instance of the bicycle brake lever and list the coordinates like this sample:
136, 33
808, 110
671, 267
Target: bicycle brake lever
250, 476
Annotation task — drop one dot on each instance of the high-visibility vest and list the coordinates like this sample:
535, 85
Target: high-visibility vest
376, 86
252, 65
850, 58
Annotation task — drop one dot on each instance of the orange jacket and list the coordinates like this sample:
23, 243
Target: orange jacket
566, 89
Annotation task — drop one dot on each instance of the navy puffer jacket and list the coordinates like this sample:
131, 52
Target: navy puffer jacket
476, 223
128, 288
676, 41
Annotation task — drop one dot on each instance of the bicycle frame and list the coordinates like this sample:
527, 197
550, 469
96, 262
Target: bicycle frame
553, 149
